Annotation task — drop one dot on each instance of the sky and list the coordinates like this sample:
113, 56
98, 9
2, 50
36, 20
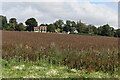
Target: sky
92, 12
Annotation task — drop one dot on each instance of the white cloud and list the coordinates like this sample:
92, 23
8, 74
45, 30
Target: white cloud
47, 12
58, 0
100, 0
0, 7
37, 0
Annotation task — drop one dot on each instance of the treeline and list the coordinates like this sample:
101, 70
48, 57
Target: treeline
60, 26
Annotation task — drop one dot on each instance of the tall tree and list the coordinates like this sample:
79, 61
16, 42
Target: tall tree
51, 28
66, 28
13, 24
59, 24
117, 33
44, 25
89, 29
72, 29
99, 30
68, 25
73, 24
3, 22
106, 30
81, 27
95, 30
21, 27
31, 23
112, 32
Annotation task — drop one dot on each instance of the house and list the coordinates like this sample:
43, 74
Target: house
40, 29
36, 29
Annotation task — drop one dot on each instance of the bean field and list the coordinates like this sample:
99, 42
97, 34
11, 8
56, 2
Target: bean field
76, 42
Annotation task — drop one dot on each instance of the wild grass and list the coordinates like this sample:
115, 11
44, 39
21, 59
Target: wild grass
18, 61
43, 69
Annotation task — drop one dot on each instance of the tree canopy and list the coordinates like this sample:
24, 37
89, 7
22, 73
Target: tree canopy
3, 22
31, 23
21, 27
59, 26
51, 28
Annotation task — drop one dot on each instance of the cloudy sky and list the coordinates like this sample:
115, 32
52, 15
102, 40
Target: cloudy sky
89, 11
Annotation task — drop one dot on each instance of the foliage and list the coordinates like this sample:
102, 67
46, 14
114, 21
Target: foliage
72, 29
51, 28
20, 27
89, 29
70, 26
13, 23
3, 22
117, 33
31, 23
69, 23
60, 27
44, 25
81, 27
57, 30
66, 28
106, 30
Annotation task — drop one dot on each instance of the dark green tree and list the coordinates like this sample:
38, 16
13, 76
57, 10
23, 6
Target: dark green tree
51, 28
12, 24
66, 28
8, 28
59, 24
112, 31
117, 33
95, 30
81, 27
89, 29
31, 23
73, 24
106, 30
72, 29
44, 25
3, 22
69, 23
21, 27
99, 30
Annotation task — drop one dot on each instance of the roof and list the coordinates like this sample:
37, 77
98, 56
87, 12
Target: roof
42, 26
36, 27
39, 27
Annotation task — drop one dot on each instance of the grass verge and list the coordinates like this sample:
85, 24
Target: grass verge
15, 68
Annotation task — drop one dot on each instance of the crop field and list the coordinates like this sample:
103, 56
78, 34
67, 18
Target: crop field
76, 42
80, 52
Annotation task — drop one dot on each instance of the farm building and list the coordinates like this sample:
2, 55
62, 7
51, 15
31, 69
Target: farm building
40, 29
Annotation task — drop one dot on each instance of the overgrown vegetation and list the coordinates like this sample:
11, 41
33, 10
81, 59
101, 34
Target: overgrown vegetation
91, 62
